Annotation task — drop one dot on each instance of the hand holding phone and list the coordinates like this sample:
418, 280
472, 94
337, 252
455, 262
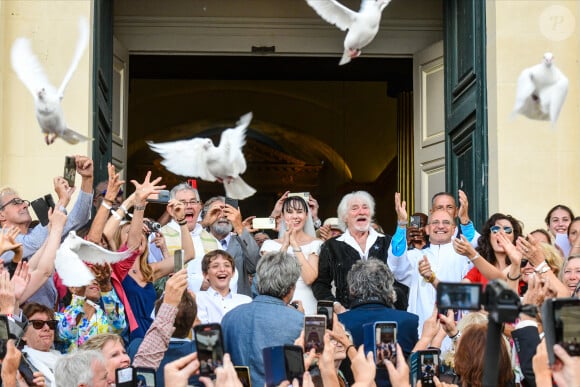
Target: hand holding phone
210, 349
314, 330
232, 202
70, 170
326, 308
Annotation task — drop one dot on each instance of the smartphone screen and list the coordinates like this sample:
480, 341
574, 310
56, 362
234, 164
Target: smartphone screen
566, 326
294, 362
428, 366
232, 202
451, 295
145, 377
264, 223
244, 375
177, 260
326, 308
314, 329
70, 170
385, 343
210, 348
124, 377
415, 221
4, 335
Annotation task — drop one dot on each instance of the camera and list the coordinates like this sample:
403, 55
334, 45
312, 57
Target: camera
502, 303
152, 226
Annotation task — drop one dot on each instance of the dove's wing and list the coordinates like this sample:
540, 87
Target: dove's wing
525, 88
334, 12
93, 253
71, 270
558, 95
185, 157
82, 43
231, 143
28, 68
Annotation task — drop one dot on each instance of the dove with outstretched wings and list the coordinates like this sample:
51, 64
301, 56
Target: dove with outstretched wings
199, 157
47, 99
72, 254
362, 26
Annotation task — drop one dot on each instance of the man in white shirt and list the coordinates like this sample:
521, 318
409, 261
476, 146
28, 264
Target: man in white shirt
218, 268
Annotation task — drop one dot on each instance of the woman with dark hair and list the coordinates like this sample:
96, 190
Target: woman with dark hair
297, 238
470, 358
490, 248
558, 221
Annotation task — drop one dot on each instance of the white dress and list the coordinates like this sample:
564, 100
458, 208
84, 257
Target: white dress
303, 292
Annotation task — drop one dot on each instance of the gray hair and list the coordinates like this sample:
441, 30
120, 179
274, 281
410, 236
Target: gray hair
76, 368
277, 273
342, 209
183, 187
211, 201
6, 191
371, 278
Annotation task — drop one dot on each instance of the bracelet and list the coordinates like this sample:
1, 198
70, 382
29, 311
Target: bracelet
182, 222
108, 207
115, 215
140, 208
455, 337
431, 278
540, 267
515, 278
122, 207
477, 256
402, 222
298, 250
108, 200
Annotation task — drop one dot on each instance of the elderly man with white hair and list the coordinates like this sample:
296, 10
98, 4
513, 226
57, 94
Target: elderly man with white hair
81, 369
359, 241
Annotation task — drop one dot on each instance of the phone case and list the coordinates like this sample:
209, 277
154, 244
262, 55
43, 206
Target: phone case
70, 170
40, 208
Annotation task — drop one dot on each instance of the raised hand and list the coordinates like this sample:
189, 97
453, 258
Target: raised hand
463, 208
148, 187
400, 208
8, 239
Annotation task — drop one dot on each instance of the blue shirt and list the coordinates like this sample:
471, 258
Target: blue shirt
265, 322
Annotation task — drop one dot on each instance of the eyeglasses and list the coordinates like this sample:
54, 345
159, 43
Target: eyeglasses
192, 202
443, 222
16, 201
39, 324
524, 262
506, 229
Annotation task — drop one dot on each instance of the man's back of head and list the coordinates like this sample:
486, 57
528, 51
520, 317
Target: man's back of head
81, 368
277, 273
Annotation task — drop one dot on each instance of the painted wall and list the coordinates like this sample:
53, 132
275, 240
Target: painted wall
26, 162
532, 165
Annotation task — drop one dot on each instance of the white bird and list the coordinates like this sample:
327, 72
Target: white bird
541, 91
362, 26
74, 251
46, 98
199, 157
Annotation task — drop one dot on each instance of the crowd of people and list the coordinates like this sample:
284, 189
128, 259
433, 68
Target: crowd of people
259, 284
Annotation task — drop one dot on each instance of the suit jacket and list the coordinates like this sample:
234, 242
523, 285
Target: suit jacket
246, 253
526, 341
362, 313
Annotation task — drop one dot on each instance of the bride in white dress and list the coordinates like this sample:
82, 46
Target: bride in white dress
297, 238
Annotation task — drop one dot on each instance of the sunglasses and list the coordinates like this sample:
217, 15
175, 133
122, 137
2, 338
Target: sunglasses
16, 201
39, 324
524, 262
496, 229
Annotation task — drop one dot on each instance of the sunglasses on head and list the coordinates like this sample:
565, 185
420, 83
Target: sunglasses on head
506, 229
39, 324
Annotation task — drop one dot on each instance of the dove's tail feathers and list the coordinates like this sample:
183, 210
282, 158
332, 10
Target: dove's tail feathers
72, 271
345, 58
73, 137
238, 189
82, 43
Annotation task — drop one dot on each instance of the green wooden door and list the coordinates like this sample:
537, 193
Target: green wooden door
466, 103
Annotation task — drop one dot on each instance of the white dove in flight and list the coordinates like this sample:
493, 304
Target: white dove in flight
46, 98
362, 26
541, 91
71, 254
199, 157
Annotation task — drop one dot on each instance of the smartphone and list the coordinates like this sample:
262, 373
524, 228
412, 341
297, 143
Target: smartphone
424, 365
314, 329
303, 195
264, 223
232, 202
326, 308
161, 198
560, 318
385, 342
415, 221
177, 260
210, 347
145, 377
244, 375
453, 295
70, 170
41, 207
26, 369
124, 377
284, 362
4, 335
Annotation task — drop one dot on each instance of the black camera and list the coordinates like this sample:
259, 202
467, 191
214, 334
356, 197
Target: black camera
151, 225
